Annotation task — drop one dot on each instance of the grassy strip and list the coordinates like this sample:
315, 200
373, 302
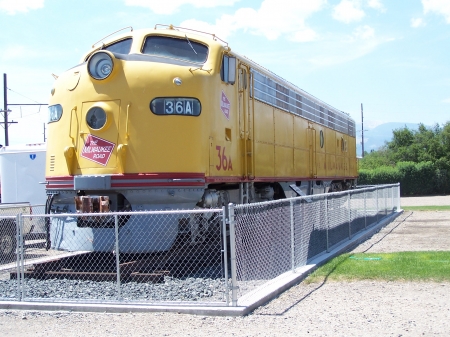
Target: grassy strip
426, 208
405, 266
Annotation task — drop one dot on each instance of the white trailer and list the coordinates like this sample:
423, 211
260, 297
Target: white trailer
22, 174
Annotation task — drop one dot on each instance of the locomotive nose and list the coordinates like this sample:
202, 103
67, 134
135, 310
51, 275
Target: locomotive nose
98, 134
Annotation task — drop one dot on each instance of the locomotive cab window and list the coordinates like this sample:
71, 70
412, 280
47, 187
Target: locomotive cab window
228, 70
182, 49
120, 47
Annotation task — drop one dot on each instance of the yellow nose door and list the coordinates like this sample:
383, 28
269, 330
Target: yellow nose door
98, 134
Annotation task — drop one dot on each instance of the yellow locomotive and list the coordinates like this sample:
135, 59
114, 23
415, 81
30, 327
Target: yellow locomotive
170, 118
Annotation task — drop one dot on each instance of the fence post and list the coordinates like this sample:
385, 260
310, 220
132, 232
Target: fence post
385, 191
398, 197
292, 235
326, 222
349, 216
376, 189
225, 253
116, 226
365, 210
18, 257
232, 255
392, 198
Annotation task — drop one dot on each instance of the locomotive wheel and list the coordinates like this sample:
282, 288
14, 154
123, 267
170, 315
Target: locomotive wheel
8, 241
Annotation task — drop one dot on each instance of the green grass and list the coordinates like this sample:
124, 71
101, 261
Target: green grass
426, 208
403, 266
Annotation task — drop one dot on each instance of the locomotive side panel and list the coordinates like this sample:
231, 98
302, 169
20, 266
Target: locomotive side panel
301, 148
330, 150
353, 169
264, 147
320, 151
284, 141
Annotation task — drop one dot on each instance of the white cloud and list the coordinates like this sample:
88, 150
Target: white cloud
273, 19
12, 52
348, 11
361, 42
11, 7
437, 6
417, 22
364, 33
376, 4
172, 6
446, 100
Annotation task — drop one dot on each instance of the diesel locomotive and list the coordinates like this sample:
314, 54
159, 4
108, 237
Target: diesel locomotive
171, 118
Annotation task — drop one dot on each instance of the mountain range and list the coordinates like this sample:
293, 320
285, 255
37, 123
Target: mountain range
376, 137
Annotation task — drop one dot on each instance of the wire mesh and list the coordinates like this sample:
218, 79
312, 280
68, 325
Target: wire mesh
9, 263
339, 218
263, 243
358, 215
123, 263
278, 236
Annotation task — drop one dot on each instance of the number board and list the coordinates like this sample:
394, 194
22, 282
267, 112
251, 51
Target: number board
176, 106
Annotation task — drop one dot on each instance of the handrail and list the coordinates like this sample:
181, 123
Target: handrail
215, 38
112, 34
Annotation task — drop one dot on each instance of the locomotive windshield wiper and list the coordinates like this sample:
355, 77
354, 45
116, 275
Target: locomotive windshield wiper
190, 44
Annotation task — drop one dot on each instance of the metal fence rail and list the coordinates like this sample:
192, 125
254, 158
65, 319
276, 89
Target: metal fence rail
213, 256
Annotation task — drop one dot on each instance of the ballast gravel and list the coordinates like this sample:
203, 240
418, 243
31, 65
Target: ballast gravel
363, 308
189, 289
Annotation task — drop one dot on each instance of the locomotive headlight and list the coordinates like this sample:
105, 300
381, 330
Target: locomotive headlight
100, 65
54, 113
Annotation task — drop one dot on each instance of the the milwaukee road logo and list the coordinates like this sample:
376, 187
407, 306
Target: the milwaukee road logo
97, 150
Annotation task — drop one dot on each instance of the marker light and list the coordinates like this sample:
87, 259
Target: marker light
54, 113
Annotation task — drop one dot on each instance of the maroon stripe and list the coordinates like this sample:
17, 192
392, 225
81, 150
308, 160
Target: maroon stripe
159, 184
58, 186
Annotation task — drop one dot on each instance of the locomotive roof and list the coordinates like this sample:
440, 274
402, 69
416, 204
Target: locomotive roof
213, 40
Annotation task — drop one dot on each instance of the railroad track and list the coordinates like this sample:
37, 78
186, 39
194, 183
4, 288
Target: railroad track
182, 260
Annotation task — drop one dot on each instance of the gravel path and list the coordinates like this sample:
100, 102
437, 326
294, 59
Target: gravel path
435, 200
364, 308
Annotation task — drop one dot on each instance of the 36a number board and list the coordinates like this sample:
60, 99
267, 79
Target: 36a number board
176, 106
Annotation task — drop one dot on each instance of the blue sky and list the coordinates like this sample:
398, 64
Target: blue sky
392, 56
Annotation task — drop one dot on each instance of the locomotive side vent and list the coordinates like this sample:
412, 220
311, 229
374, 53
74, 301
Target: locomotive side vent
52, 163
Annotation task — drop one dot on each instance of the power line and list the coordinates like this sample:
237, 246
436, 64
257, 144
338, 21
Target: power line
24, 97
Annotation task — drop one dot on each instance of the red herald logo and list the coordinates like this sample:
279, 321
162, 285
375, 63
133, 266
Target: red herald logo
225, 105
97, 150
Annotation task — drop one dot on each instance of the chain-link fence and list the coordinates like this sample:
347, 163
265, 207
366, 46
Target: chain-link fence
208, 256
187, 265
274, 237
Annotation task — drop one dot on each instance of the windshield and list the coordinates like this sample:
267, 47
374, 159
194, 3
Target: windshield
121, 47
178, 48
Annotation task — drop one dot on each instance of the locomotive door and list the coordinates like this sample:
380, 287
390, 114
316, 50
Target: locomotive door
312, 151
98, 134
246, 120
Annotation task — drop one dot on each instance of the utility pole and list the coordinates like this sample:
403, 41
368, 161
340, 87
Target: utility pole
6, 111
362, 130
